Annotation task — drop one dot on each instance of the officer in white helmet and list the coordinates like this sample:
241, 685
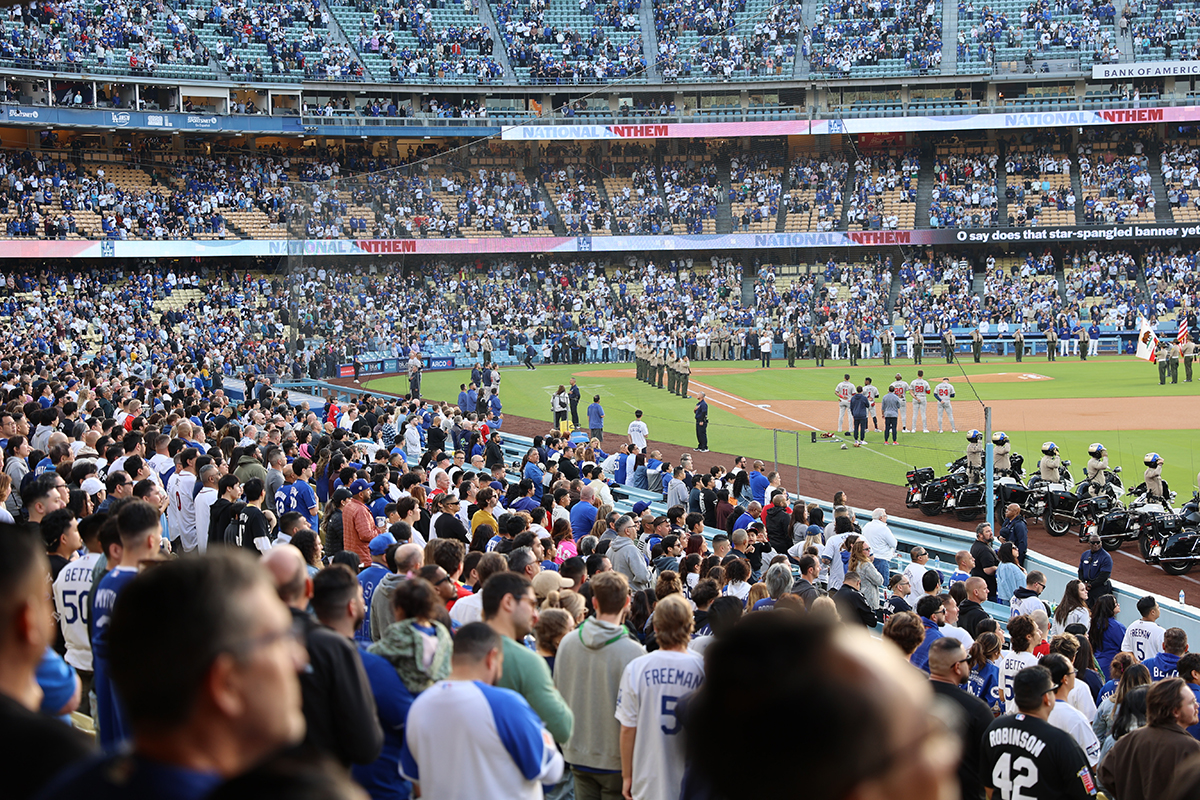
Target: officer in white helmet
1001, 461
1153, 477
975, 456
1097, 466
1050, 464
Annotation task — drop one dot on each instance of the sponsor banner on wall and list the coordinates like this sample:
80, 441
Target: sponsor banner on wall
1145, 69
319, 248
872, 125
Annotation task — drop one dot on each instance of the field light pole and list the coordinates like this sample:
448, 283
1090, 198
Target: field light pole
987, 466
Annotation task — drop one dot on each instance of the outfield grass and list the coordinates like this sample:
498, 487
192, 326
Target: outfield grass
527, 393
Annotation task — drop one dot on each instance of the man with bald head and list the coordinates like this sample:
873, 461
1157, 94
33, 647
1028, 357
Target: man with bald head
971, 611
583, 513
408, 559
338, 705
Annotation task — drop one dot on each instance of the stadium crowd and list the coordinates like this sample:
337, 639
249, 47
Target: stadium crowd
384, 591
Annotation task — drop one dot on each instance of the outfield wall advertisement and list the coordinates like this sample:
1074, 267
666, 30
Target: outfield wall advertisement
32, 248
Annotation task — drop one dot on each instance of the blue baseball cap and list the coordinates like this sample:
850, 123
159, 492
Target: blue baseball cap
381, 543
359, 485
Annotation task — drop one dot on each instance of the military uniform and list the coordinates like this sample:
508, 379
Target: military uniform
1048, 468
1173, 362
1189, 353
637, 361
819, 348
948, 344
852, 343
918, 346
1085, 339
671, 376
685, 369
976, 344
1051, 343
1095, 474
660, 367
886, 341
1162, 357
790, 344
1019, 344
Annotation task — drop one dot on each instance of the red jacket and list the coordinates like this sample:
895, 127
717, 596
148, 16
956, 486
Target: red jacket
358, 529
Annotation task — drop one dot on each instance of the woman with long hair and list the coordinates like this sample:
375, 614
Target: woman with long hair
422, 525
696, 544
861, 562
799, 522
480, 537
16, 467
815, 535
639, 480
1113, 718
1106, 633
689, 572
564, 541
741, 494
558, 405
1072, 609
1009, 575
984, 682
331, 521
708, 565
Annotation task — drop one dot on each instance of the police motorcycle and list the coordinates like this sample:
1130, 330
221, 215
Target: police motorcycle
935, 495
916, 481
1173, 544
956, 492
1066, 507
1032, 498
1147, 518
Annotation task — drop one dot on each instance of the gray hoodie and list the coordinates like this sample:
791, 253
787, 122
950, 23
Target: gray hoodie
381, 604
629, 561
587, 672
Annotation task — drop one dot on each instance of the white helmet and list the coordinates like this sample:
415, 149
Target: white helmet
999, 437
1049, 448
1095, 450
1152, 459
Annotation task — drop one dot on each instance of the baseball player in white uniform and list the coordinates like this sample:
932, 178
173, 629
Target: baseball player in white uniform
920, 395
872, 393
844, 391
944, 392
900, 387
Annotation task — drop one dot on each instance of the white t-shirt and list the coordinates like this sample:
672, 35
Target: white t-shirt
955, 632
463, 735
73, 603
1010, 664
638, 433
1081, 700
651, 689
1067, 717
1143, 639
467, 609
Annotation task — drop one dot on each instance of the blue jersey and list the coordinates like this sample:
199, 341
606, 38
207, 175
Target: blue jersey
113, 728
984, 683
285, 499
369, 579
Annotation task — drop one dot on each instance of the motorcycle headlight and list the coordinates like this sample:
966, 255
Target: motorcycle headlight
1091, 528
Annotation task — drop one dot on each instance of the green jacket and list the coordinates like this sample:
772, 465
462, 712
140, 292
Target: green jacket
527, 674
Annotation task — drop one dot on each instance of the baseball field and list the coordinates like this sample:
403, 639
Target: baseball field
1116, 400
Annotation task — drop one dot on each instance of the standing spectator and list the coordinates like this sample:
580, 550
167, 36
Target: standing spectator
1027, 599
35, 746
338, 603
1028, 739
1106, 633
210, 476
1142, 764
652, 757
1144, 637
1016, 531
358, 523
1166, 663
416, 644
510, 608
465, 733
700, 413
1065, 716
932, 612
986, 562
338, 707
370, 578
859, 406
626, 558
140, 532
883, 542
595, 415
851, 604
587, 671
949, 673
234, 696
638, 430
